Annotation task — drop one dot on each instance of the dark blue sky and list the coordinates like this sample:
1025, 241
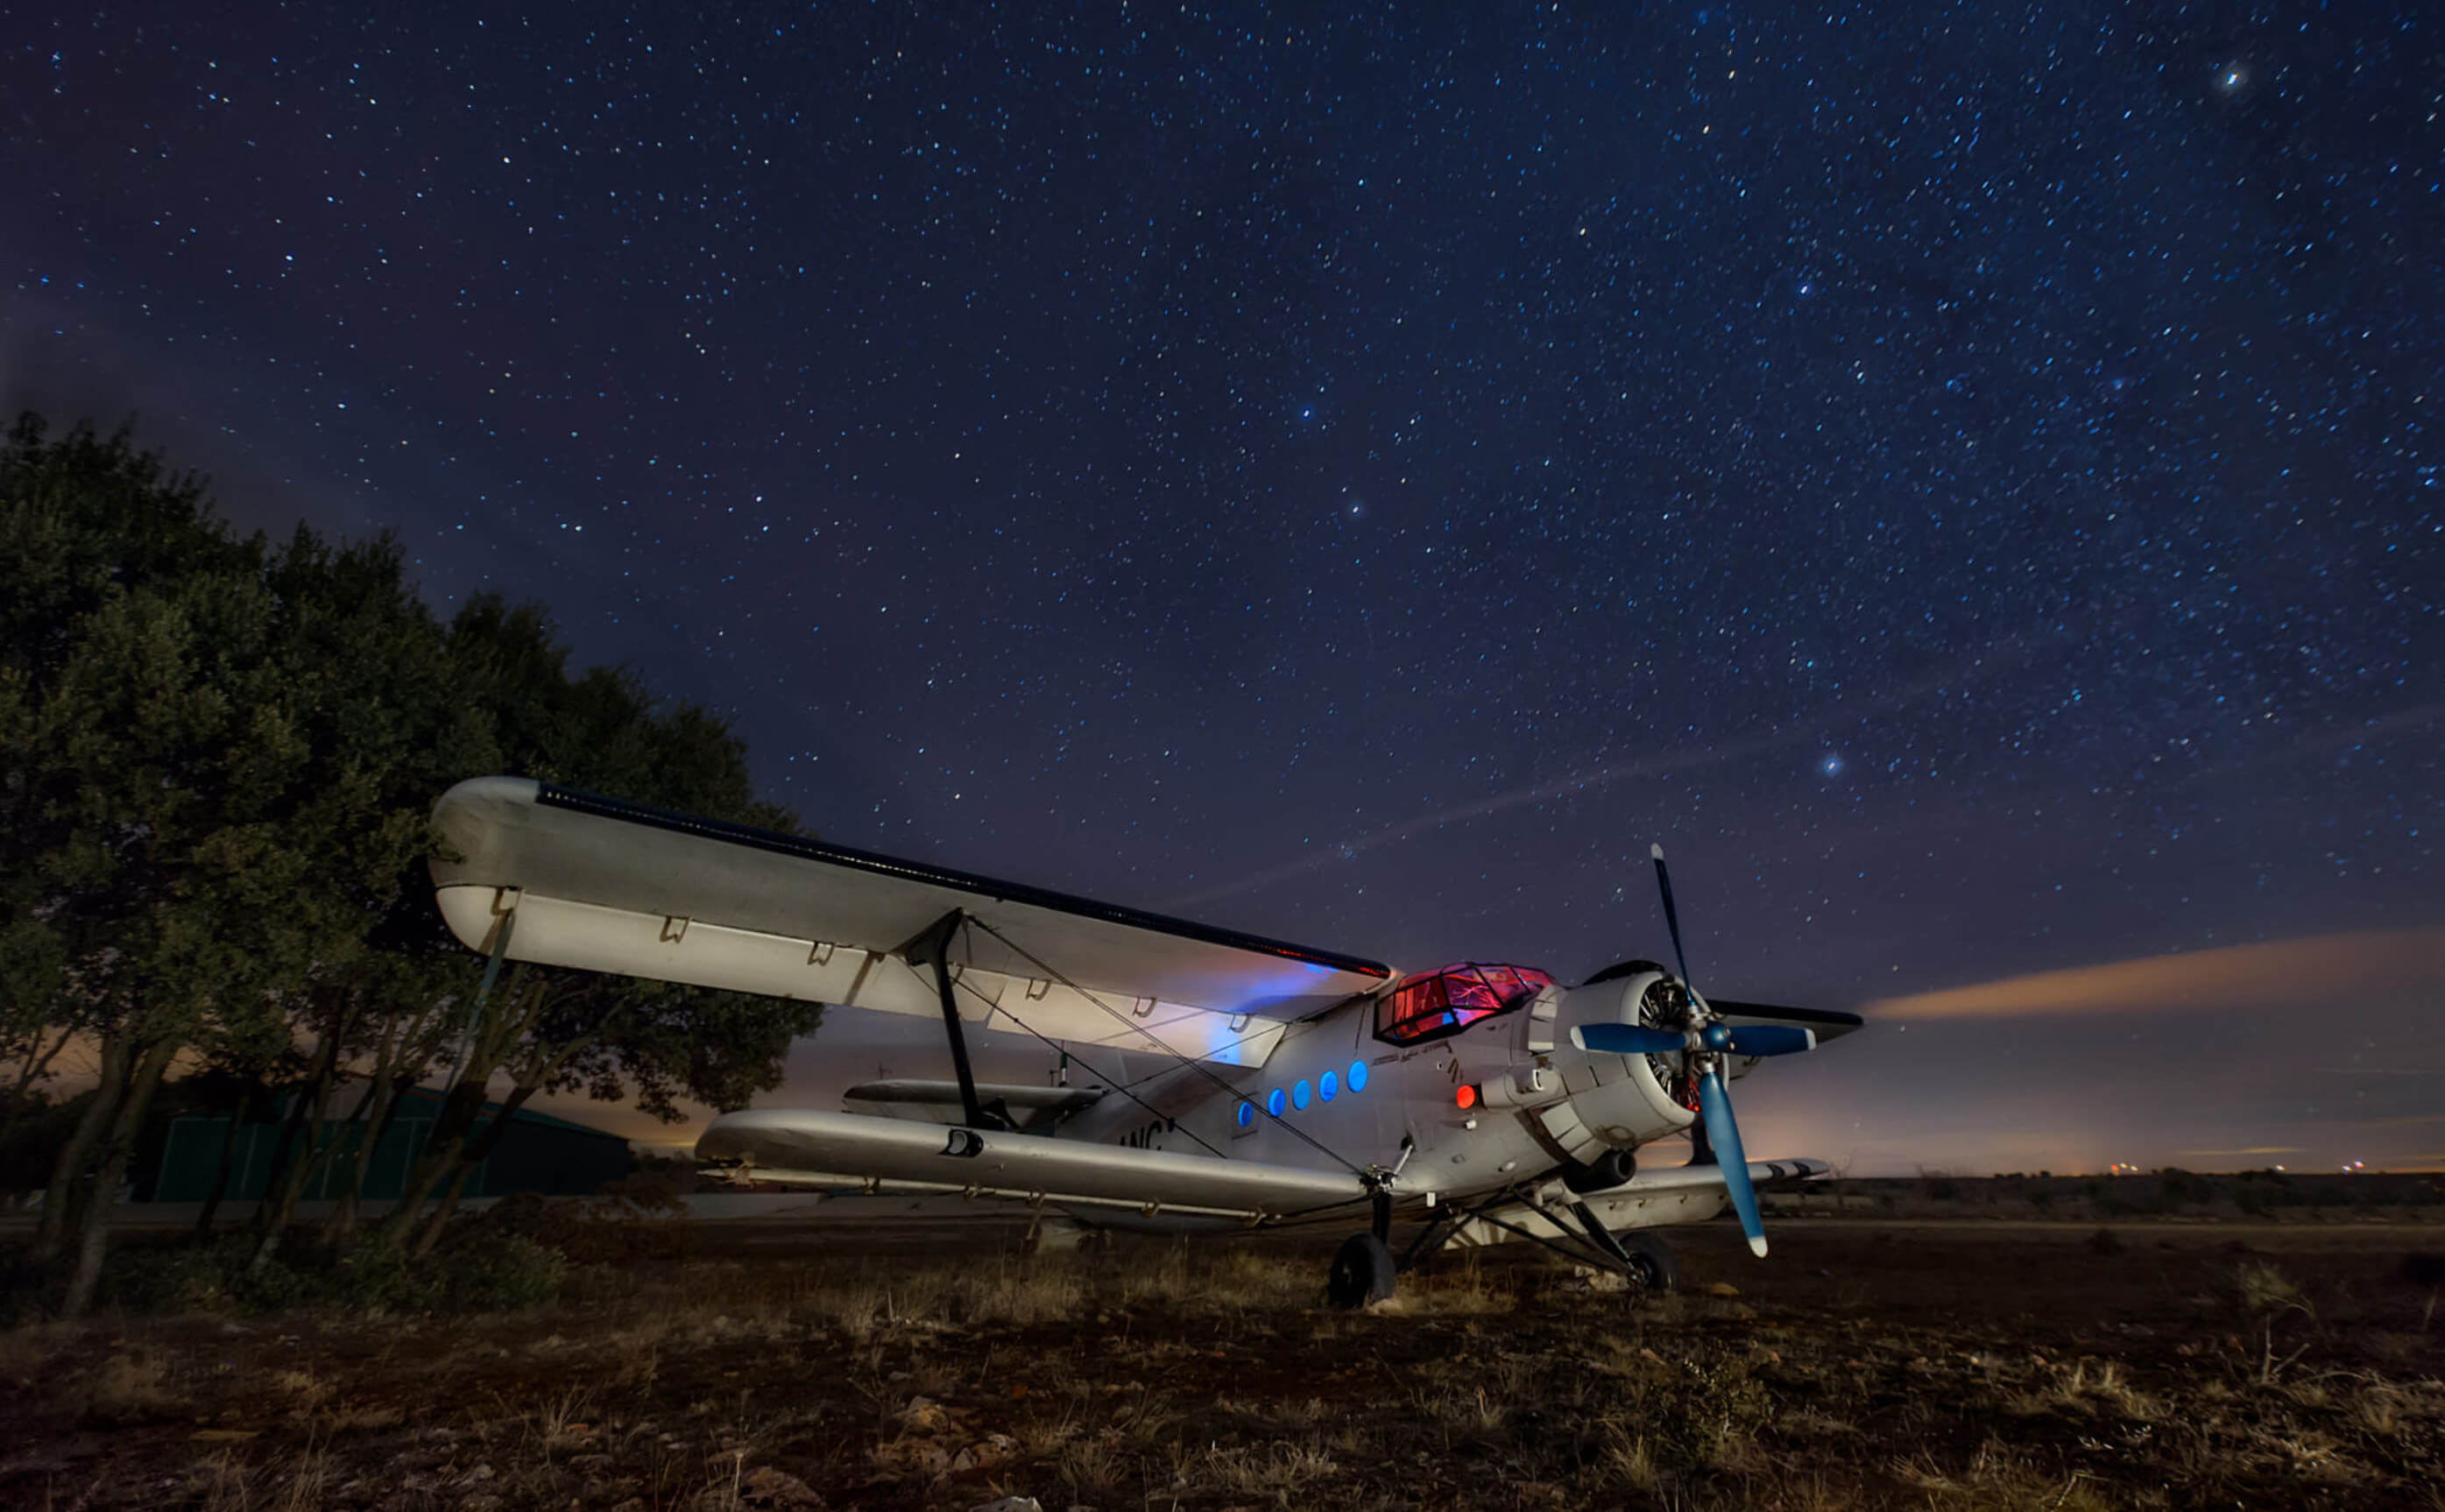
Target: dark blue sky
1961, 477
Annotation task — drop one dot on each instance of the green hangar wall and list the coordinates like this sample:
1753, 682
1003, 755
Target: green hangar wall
538, 1153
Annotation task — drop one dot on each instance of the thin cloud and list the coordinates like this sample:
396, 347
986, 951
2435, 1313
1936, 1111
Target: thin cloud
2252, 1150
2403, 721
2330, 966
1962, 673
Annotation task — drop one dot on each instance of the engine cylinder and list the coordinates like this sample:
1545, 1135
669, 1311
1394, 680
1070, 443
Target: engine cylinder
1627, 1100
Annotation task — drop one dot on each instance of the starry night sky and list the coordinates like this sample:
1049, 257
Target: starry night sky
1959, 476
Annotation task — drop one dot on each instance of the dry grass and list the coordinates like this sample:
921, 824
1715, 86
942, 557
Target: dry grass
1212, 1378
128, 1383
1285, 1473
561, 1425
1998, 1480
2264, 1288
1626, 1457
304, 1389
25, 1351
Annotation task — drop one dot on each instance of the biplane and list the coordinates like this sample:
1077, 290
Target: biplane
1474, 1103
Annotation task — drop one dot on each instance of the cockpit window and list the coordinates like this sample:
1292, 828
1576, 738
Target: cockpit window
1436, 1003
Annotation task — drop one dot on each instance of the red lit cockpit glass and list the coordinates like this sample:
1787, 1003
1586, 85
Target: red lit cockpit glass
1436, 1003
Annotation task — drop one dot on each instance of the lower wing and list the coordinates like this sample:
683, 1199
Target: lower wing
1652, 1198
895, 1154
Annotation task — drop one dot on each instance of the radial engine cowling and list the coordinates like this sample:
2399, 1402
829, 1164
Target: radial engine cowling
1617, 1102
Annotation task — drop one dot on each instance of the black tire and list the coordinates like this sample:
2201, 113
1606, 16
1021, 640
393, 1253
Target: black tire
1362, 1273
1651, 1266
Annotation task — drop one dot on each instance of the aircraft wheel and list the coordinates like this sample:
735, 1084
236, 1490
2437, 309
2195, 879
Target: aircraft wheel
1362, 1273
1651, 1266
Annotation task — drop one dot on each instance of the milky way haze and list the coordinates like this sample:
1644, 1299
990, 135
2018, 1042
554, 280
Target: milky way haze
1961, 480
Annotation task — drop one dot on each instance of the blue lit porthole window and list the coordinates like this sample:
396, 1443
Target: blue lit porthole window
1358, 1075
1247, 1114
1274, 1102
1299, 1095
1326, 1085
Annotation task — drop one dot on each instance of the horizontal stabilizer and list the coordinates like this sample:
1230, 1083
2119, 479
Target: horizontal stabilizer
845, 1150
939, 1101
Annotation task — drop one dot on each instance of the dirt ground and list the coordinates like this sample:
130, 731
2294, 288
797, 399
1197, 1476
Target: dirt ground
1864, 1364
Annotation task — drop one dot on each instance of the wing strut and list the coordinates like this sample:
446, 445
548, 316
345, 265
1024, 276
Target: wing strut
933, 948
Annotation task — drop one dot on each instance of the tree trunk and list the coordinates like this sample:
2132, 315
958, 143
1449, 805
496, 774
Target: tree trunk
381, 1109
491, 1027
442, 1212
69, 1175
228, 1162
460, 1110
284, 1154
473, 1152
38, 1061
290, 1175
95, 1218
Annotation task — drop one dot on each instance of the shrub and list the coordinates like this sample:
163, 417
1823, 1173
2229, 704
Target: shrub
1701, 1418
482, 1273
495, 1273
637, 1219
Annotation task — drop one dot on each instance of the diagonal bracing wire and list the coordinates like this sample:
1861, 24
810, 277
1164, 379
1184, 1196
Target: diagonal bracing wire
1295, 1215
1113, 1083
1130, 1024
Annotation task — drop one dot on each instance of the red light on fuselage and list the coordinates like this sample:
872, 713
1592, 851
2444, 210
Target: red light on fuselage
1465, 1098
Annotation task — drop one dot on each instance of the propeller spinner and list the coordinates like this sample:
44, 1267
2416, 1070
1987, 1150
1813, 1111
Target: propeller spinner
1705, 1042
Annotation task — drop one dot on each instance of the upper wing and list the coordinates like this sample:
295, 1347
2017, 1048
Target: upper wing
619, 886
840, 1148
1826, 1023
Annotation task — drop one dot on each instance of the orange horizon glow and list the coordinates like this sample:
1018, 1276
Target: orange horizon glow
2255, 976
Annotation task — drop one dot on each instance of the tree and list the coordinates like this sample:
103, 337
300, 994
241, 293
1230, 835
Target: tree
548, 1030
217, 760
139, 739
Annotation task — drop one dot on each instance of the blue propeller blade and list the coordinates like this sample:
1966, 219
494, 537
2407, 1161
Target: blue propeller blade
1626, 1040
1726, 1135
1771, 1040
